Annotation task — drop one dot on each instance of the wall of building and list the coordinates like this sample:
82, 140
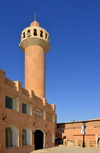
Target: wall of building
71, 133
40, 115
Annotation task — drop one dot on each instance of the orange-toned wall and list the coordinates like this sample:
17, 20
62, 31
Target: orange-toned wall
72, 132
35, 69
21, 120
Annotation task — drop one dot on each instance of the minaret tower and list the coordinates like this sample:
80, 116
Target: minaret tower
35, 43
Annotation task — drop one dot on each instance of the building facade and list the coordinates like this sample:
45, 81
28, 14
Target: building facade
80, 133
27, 120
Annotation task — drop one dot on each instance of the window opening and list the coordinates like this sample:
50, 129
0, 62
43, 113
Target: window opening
23, 34
24, 108
12, 103
8, 137
24, 137
41, 33
8, 102
28, 33
35, 32
27, 108
46, 36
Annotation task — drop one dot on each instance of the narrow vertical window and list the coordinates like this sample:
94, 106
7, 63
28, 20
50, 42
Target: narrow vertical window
41, 33
35, 32
24, 137
8, 137
28, 33
46, 36
23, 34
24, 108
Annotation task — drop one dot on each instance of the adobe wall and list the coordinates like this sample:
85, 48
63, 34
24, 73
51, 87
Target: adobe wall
42, 116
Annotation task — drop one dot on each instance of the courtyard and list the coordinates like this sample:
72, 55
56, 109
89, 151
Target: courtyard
67, 149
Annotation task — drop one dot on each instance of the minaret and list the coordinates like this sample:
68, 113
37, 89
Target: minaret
35, 43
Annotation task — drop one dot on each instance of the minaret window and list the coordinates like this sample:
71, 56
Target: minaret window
46, 36
35, 32
41, 33
23, 34
28, 33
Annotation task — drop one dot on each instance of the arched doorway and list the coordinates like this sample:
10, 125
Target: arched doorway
38, 139
99, 142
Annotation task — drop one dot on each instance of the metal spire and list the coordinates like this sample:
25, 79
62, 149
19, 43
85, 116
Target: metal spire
35, 16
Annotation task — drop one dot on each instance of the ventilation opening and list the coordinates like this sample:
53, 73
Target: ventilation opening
41, 33
35, 32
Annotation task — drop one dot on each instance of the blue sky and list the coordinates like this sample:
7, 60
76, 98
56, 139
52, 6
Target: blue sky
73, 62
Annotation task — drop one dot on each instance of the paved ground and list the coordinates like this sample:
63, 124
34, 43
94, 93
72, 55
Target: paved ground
65, 149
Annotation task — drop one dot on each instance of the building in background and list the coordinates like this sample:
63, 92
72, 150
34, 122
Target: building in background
79, 133
27, 120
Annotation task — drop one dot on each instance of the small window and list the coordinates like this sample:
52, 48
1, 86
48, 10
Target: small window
8, 102
41, 33
24, 108
35, 32
12, 103
27, 108
23, 34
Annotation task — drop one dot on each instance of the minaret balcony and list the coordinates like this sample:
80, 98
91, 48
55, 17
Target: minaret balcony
35, 36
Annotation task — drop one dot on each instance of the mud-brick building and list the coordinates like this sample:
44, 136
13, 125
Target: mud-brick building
27, 120
79, 133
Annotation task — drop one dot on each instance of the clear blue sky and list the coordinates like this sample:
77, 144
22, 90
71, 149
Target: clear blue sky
73, 62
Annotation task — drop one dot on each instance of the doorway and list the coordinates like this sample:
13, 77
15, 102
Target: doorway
38, 139
99, 142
